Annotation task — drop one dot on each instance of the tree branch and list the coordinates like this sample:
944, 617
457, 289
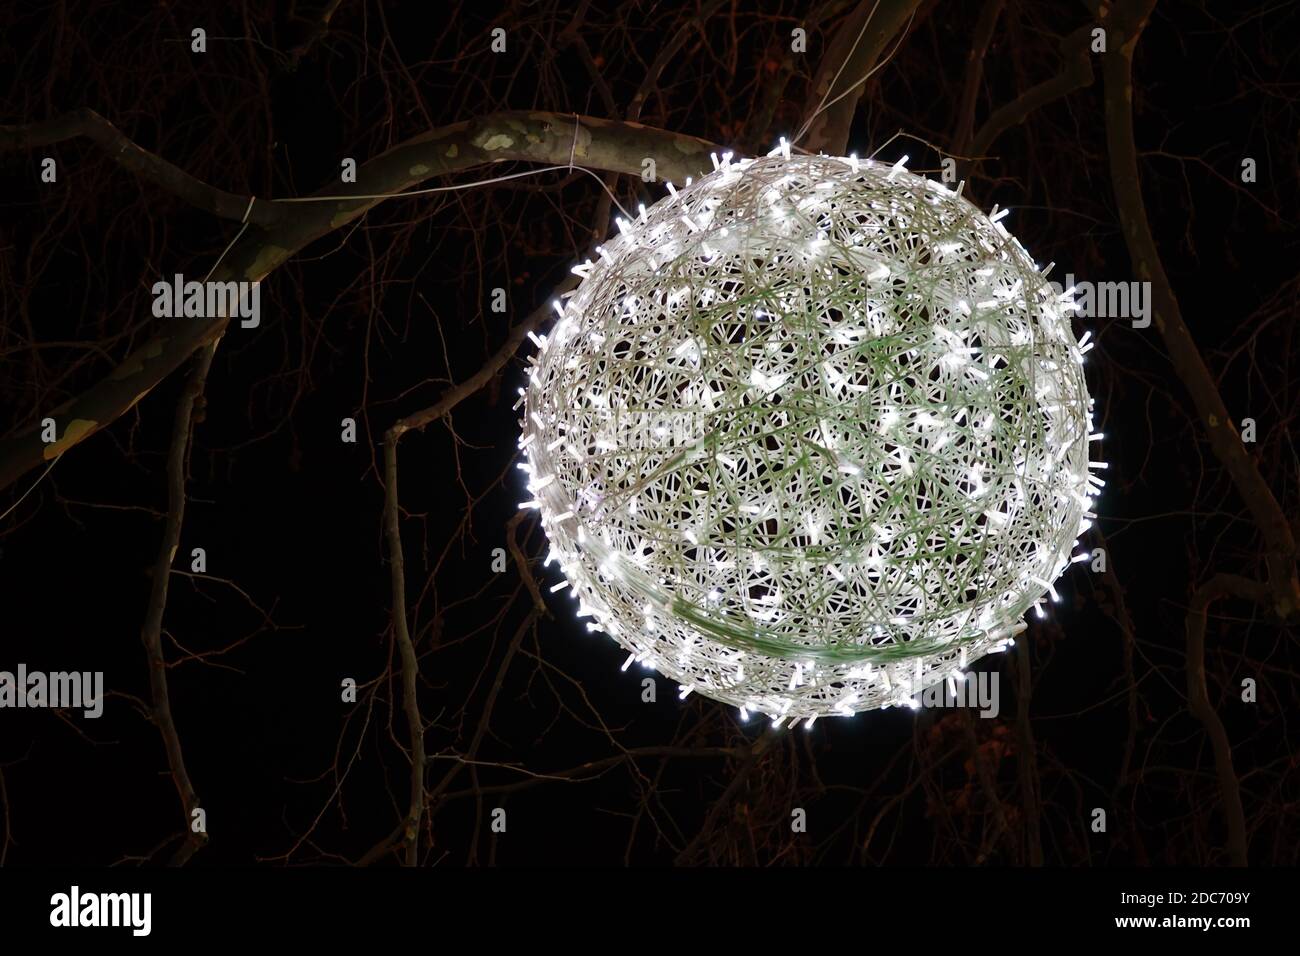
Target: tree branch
463, 390
666, 53
151, 633
410, 831
585, 773
752, 754
536, 137
988, 784
1198, 698
983, 36
134, 159
1075, 73
1124, 24
844, 68
317, 27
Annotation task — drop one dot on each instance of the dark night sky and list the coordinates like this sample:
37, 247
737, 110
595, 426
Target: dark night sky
292, 515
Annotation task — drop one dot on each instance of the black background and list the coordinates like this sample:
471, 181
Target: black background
292, 515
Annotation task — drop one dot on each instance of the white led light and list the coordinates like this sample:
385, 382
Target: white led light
821, 415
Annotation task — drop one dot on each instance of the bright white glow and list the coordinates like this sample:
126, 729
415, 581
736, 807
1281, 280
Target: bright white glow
780, 456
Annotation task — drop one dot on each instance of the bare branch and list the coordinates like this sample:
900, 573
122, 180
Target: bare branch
406, 649
537, 137
1075, 73
1125, 23
983, 36
862, 38
134, 159
151, 633
1198, 699
666, 53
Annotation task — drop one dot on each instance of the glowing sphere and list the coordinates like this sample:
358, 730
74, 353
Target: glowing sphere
810, 435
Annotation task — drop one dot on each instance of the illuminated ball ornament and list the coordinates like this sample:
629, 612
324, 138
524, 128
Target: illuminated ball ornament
811, 435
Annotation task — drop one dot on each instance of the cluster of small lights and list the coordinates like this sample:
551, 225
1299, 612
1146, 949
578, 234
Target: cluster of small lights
811, 435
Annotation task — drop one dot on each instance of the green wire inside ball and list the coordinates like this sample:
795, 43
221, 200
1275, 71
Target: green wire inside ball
811, 433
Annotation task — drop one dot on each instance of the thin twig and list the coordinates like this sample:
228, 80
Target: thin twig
151, 634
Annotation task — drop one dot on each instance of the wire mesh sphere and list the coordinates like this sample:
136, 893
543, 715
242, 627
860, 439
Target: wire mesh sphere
810, 435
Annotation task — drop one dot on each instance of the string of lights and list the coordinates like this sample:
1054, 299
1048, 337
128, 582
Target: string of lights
811, 435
